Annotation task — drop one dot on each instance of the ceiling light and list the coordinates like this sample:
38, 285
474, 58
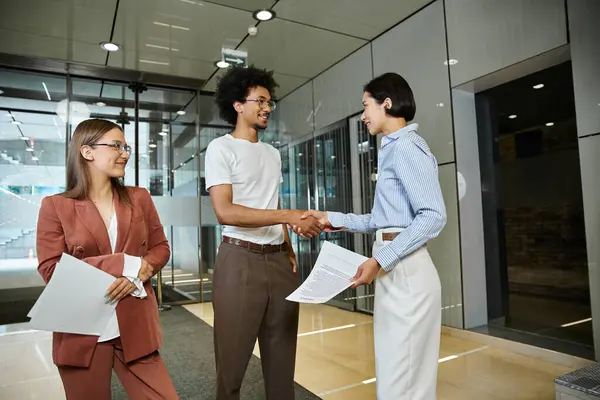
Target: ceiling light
16, 122
34, 158
512, 116
108, 46
549, 123
154, 62
163, 133
152, 145
263, 15
539, 86
180, 112
100, 103
451, 61
29, 149
1, 92
222, 64
440, 104
24, 138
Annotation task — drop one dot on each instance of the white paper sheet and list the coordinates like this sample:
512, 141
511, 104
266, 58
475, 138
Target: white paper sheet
330, 276
74, 301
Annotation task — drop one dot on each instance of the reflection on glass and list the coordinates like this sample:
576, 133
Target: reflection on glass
32, 166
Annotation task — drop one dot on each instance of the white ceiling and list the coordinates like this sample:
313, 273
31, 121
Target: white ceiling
185, 37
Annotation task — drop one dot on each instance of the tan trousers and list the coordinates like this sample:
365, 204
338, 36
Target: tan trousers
249, 291
143, 379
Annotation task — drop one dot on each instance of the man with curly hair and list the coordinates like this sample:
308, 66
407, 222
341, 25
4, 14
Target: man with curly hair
255, 268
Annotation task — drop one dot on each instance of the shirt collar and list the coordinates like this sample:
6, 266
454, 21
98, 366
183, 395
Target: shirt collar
393, 136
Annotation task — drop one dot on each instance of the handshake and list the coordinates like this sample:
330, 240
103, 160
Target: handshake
309, 223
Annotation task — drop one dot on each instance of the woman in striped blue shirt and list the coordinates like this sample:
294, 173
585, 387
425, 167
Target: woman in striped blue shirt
408, 211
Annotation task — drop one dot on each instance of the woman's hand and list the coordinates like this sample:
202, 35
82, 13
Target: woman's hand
120, 288
320, 215
146, 271
366, 273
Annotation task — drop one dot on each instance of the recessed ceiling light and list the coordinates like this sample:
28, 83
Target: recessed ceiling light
550, 124
451, 61
539, 86
263, 15
163, 133
100, 103
152, 145
34, 158
29, 149
180, 112
108, 46
222, 64
440, 104
24, 138
512, 116
16, 122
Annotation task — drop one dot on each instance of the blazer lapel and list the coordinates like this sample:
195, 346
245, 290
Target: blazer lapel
91, 218
123, 223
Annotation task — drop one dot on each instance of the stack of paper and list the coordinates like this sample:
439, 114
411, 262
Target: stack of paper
330, 276
74, 301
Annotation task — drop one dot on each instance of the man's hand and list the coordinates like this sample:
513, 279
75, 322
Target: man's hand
321, 216
294, 262
119, 289
146, 271
366, 272
305, 227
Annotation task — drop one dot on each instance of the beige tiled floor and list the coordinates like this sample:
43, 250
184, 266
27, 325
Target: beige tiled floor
335, 360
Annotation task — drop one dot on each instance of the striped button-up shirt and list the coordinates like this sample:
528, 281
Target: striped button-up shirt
407, 195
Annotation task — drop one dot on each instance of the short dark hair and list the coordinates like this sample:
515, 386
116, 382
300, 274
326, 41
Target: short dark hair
398, 90
235, 85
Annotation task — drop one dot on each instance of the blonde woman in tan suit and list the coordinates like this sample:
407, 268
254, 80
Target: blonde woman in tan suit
115, 229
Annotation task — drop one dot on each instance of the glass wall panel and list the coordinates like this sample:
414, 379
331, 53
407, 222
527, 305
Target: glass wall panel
32, 166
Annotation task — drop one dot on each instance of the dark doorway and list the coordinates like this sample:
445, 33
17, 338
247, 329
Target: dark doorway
537, 271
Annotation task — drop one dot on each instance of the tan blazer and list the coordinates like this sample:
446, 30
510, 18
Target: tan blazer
75, 227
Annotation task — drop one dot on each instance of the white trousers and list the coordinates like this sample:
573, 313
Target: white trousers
407, 326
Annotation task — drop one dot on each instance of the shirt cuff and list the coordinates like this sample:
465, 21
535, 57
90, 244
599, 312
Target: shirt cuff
387, 258
131, 270
336, 219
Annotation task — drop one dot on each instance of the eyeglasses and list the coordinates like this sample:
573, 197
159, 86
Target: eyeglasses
120, 147
264, 103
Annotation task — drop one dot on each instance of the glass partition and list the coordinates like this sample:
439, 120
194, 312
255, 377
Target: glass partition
32, 166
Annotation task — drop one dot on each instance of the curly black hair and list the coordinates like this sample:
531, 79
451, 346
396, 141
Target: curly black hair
235, 85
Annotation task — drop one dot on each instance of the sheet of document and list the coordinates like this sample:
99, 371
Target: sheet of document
74, 300
330, 276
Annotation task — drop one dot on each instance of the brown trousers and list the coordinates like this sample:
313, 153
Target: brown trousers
249, 291
143, 379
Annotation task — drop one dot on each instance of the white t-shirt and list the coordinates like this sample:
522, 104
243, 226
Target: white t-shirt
254, 171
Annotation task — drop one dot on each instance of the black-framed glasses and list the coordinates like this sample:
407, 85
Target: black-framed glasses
120, 147
262, 103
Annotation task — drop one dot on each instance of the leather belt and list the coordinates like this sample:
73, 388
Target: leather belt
255, 247
389, 236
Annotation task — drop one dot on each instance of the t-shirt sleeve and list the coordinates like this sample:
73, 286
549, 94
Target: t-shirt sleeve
217, 168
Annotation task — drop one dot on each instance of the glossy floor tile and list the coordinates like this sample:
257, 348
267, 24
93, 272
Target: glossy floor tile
335, 360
